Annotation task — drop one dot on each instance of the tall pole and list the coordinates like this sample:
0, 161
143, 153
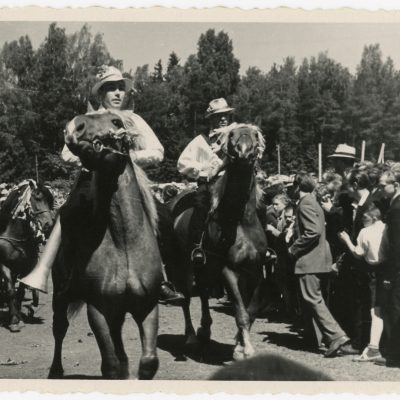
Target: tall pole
278, 149
362, 150
381, 158
319, 162
37, 168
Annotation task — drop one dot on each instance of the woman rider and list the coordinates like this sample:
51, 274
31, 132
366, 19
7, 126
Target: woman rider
111, 88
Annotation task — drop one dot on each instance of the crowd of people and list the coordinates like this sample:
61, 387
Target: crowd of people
337, 246
335, 243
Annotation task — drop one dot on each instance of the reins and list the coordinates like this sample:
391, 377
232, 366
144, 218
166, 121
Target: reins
121, 137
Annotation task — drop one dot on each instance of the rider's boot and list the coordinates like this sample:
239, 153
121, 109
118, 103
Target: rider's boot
38, 278
170, 295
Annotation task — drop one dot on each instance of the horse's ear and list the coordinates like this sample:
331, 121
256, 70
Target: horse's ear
258, 120
89, 107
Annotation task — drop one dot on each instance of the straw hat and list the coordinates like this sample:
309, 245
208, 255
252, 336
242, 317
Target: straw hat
110, 74
218, 106
344, 151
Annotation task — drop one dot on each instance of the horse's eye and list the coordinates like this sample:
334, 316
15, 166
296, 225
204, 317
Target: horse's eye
118, 123
230, 135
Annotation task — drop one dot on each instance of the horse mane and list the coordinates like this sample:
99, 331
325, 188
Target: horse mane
147, 196
218, 188
47, 195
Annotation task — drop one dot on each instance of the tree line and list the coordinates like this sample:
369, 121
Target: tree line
296, 106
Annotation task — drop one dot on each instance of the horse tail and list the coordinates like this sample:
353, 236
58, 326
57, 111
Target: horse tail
74, 309
149, 203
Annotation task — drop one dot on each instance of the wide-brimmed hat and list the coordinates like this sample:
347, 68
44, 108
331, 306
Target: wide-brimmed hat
344, 151
110, 74
218, 106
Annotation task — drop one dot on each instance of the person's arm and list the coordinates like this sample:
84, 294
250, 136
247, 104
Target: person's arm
150, 151
275, 232
312, 229
187, 163
356, 251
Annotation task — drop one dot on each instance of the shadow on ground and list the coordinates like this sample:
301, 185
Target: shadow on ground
291, 341
214, 353
79, 376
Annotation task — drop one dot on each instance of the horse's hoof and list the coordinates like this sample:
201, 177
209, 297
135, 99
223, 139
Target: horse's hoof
148, 367
203, 335
14, 328
249, 354
55, 373
191, 345
238, 353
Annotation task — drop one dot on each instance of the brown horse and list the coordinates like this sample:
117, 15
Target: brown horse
109, 256
234, 215
25, 219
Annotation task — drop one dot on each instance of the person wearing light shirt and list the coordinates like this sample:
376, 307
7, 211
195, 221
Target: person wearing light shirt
371, 246
199, 161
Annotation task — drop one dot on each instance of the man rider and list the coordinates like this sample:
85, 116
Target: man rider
200, 162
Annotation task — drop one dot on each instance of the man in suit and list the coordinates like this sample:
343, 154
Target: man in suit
389, 184
313, 260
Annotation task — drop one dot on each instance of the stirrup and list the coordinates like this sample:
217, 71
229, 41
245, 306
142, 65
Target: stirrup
198, 256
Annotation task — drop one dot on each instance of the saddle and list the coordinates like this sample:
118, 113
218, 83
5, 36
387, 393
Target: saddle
181, 202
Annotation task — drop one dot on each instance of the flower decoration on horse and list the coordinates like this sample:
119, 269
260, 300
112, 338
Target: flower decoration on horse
24, 211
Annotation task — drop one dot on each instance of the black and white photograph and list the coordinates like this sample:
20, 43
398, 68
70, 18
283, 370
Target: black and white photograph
199, 200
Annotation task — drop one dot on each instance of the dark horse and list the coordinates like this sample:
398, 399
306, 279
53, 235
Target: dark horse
25, 216
234, 215
109, 256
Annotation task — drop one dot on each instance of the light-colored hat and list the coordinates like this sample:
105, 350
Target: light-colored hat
344, 151
218, 106
110, 74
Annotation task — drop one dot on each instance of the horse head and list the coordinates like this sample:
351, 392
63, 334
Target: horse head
242, 143
99, 140
42, 204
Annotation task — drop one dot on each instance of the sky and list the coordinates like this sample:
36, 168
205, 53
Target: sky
255, 44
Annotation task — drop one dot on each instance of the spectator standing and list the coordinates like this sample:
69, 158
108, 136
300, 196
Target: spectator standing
389, 183
371, 248
313, 261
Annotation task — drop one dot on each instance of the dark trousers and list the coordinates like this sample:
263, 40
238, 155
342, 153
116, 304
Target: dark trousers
393, 310
200, 212
326, 327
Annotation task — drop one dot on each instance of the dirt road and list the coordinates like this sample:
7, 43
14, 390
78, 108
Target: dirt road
28, 354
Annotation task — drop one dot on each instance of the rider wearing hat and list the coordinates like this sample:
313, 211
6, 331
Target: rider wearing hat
111, 88
200, 162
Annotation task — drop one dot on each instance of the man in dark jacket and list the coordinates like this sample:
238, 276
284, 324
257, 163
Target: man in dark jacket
389, 183
313, 261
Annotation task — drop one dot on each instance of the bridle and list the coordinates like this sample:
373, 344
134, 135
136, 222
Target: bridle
233, 157
120, 137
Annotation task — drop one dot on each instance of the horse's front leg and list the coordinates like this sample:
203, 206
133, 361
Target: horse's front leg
204, 331
243, 347
190, 334
60, 327
15, 319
